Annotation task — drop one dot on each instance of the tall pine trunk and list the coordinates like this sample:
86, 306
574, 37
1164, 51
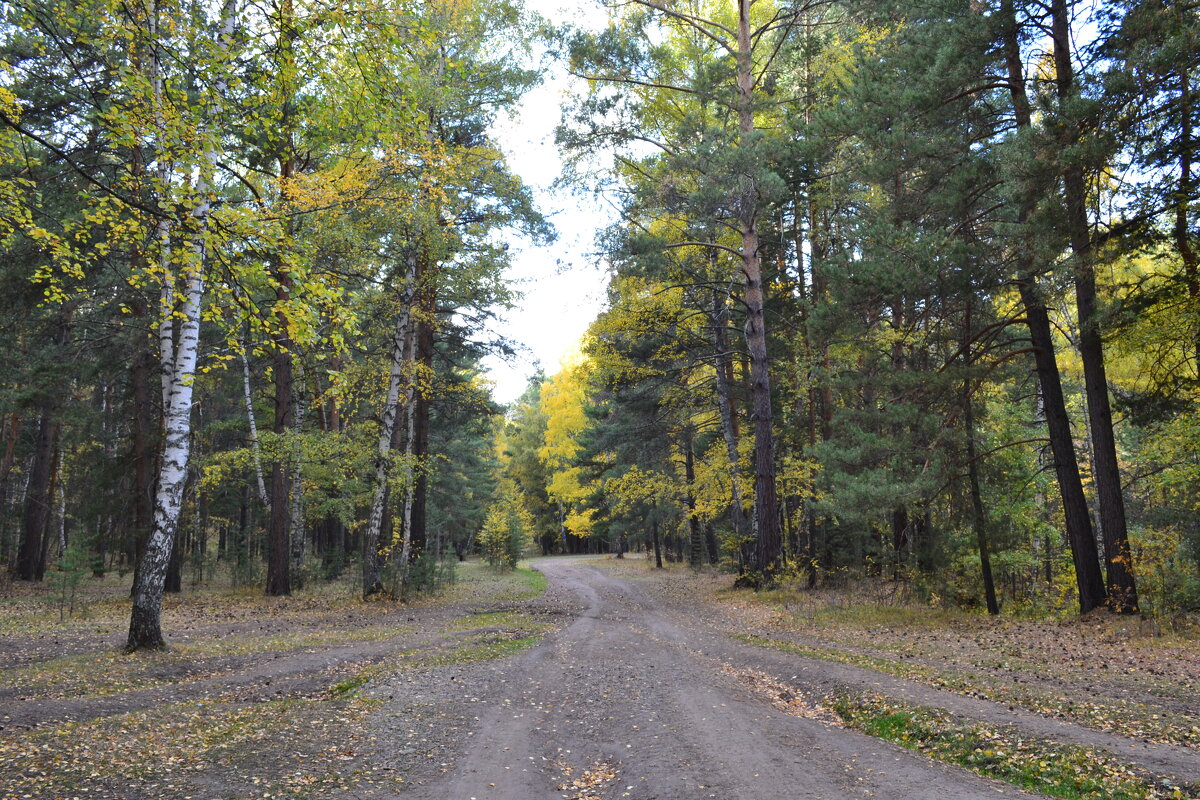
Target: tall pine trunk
1122, 589
1181, 230
1075, 511
415, 533
723, 370
695, 535
144, 432
297, 535
279, 579
979, 519
31, 561
769, 545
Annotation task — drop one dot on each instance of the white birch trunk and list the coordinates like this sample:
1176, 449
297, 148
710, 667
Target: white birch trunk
178, 368
255, 447
400, 355
162, 227
144, 627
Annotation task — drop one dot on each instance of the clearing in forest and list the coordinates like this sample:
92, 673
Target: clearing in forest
616, 681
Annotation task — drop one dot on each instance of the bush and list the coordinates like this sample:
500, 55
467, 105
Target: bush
1168, 584
428, 573
70, 571
505, 535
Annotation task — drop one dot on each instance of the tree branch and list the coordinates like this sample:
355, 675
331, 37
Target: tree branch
74, 165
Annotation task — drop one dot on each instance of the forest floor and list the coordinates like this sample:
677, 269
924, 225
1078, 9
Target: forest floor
604, 679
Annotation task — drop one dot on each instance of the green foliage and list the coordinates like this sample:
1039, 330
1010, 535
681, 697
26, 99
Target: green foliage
1075, 773
1169, 581
429, 573
73, 568
505, 535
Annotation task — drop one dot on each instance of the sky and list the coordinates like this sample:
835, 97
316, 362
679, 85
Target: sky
562, 283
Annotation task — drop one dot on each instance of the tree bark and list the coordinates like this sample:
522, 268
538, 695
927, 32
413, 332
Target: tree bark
144, 626
1062, 445
416, 536
695, 540
31, 562
1181, 230
769, 545
255, 449
178, 362
979, 519
1122, 588
279, 581
144, 431
297, 535
1075, 512
722, 371
401, 334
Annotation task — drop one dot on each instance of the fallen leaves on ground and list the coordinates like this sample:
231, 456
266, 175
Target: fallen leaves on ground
590, 784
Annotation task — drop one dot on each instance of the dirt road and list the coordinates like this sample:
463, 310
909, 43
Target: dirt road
617, 682
627, 700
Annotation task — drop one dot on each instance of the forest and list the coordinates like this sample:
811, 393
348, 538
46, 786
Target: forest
900, 293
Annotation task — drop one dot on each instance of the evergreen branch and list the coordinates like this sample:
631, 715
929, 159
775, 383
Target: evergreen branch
973, 90
775, 53
987, 329
696, 23
79, 170
998, 448
630, 81
242, 179
712, 245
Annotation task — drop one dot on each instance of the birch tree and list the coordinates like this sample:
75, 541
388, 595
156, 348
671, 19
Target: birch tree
179, 343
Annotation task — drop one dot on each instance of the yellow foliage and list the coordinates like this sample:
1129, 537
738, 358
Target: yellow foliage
563, 401
580, 523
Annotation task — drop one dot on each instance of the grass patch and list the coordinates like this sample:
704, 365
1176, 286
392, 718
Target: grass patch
486, 650
535, 582
97, 674
283, 642
479, 583
350, 685
493, 619
1075, 773
111, 672
160, 750
480, 647
1129, 719
904, 617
